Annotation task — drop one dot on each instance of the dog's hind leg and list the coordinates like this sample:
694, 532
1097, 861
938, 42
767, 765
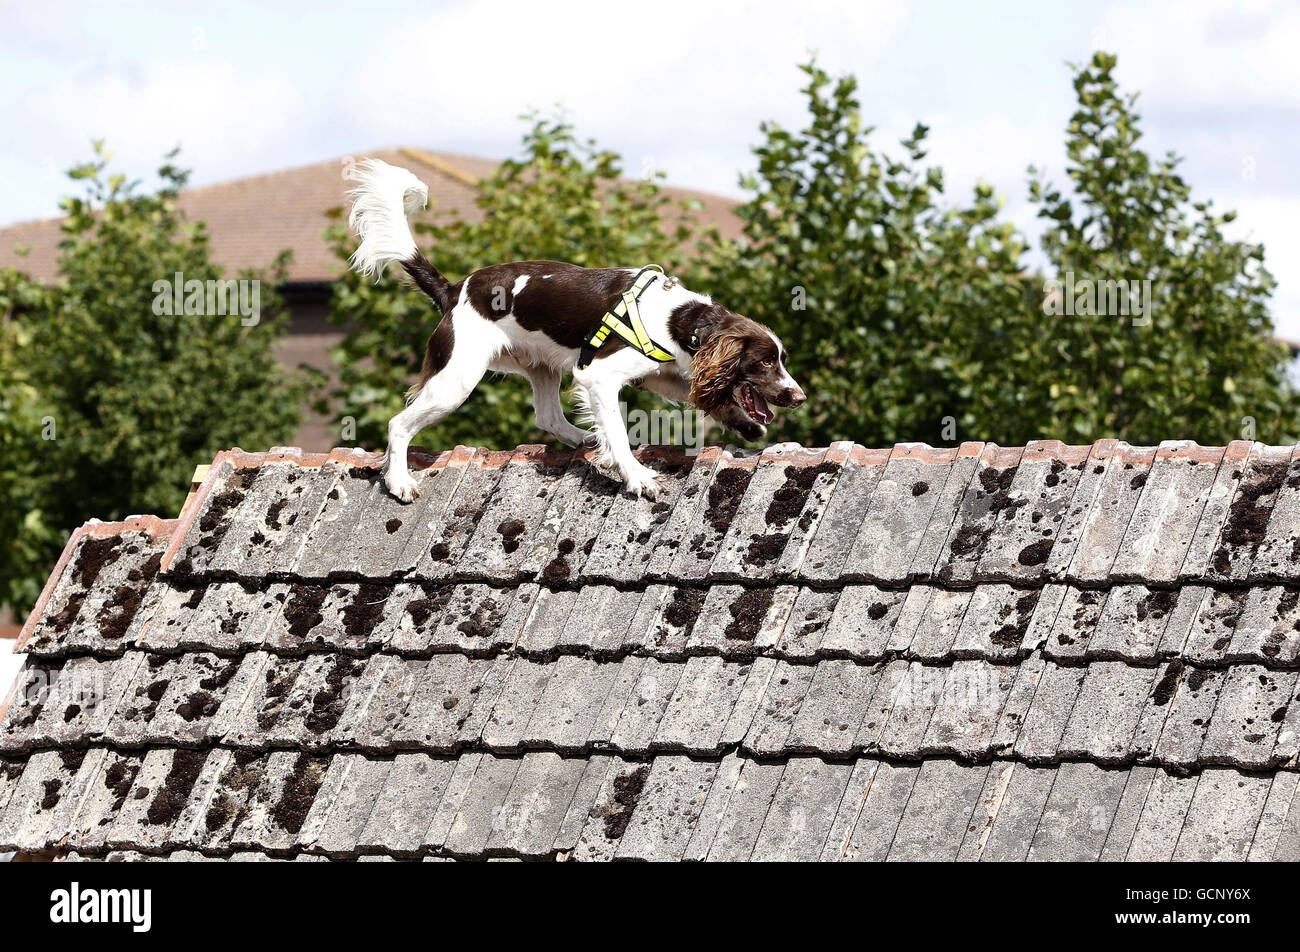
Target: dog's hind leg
439, 395
548, 410
597, 387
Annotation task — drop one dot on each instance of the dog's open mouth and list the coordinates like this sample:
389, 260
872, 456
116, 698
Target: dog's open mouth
755, 407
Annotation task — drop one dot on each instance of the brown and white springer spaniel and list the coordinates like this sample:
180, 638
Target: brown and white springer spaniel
533, 317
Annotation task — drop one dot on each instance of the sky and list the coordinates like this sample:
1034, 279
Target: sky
674, 86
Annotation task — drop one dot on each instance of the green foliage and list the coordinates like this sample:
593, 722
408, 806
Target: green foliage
562, 200
28, 537
887, 304
1204, 362
117, 402
916, 314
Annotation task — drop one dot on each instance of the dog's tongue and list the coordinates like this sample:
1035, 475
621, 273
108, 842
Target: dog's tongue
762, 410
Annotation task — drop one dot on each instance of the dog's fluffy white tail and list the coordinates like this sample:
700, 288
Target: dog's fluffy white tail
384, 195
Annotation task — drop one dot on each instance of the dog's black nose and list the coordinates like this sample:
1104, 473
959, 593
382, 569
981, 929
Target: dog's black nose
795, 398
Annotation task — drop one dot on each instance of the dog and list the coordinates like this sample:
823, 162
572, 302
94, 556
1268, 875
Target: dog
534, 318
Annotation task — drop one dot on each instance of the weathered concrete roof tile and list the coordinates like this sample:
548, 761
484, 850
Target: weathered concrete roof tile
629, 535
536, 805
344, 804
440, 550
701, 705
1128, 811
479, 808
882, 807
938, 811
1190, 696
786, 687
1049, 712
836, 529
916, 692
749, 792
752, 621
1240, 456
863, 622
504, 534
669, 805
1280, 806
805, 654
1276, 556
43, 799
1106, 712
1267, 629
769, 516
1007, 813
934, 636
548, 625
983, 516
716, 507
1174, 496
1078, 813
582, 805
1253, 704
995, 622
967, 715
807, 622
1223, 816
832, 710
376, 702
1132, 623
449, 689
803, 809
1076, 620
259, 526
566, 712
643, 705
1037, 503
1125, 472
907, 496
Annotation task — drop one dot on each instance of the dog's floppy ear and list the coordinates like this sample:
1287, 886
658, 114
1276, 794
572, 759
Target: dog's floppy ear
714, 370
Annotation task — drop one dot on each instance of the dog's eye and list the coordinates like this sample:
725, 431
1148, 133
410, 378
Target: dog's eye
769, 361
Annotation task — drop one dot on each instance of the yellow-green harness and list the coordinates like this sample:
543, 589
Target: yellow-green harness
624, 319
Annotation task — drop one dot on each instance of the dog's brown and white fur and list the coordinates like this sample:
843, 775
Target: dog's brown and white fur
532, 318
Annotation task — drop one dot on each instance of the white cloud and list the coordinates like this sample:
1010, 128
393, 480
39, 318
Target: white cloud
222, 116
682, 88
1205, 54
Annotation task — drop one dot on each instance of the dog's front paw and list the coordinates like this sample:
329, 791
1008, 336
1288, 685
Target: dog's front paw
642, 481
750, 431
401, 485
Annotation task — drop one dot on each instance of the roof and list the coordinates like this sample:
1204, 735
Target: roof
251, 220
983, 652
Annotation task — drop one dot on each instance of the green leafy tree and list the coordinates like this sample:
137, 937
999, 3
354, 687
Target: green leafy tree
903, 315
1200, 364
128, 397
563, 199
28, 537
848, 256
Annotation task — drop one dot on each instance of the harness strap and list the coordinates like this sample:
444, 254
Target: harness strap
632, 330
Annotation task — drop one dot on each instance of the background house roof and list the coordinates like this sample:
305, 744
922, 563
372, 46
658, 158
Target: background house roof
252, 220
1047, 652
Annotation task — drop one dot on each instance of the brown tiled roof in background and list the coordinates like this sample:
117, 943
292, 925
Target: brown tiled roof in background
251, 220
982, 652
